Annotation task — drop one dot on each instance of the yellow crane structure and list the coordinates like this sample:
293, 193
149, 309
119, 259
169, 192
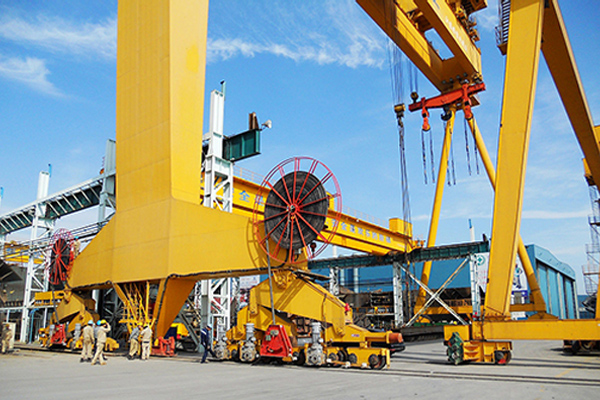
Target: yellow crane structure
161, 234
535, 26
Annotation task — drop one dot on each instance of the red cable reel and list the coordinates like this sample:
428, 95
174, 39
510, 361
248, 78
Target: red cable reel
298, 204
60, 257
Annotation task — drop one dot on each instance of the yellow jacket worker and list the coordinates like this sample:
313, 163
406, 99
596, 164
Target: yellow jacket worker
146, 341
103, 329
88, 341
7, 336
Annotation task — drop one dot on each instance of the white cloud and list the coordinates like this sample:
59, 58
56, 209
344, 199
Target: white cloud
541, 214
58, 35
487, 19
30, 71
325, 53
327, 33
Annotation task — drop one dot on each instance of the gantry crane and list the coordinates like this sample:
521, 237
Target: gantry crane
532, 25
162, 235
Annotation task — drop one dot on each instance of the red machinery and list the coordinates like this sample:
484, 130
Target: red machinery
276, 343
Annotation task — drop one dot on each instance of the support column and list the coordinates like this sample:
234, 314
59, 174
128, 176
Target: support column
38, 222
536, 297
522, 62
398, 299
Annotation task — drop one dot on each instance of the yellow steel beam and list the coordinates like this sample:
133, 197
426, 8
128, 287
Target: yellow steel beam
561, 63
437, 204
571, 329
444, 21
409, 35
535, 293
524, 42
468, 309
297, 296
353, 233
392, 19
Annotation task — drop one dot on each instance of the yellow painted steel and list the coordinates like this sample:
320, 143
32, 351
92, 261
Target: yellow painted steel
561, 63
576, 329
353, 233
45, 299
160, 230
524, 41
437, 204
443, 19
297, 296
18, 253
409, 36
534, 288
261, 319
135, 297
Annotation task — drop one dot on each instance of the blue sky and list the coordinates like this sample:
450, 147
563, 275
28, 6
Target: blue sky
319, 71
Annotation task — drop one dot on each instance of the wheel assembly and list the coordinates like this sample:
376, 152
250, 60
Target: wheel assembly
502, 357
297, 209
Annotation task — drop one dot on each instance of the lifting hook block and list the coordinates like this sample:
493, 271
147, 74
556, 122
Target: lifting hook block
458, 96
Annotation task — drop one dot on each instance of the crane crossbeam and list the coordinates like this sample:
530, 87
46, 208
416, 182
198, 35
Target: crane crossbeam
406, 24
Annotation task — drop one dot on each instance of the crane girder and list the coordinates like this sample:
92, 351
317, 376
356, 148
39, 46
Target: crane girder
406, 22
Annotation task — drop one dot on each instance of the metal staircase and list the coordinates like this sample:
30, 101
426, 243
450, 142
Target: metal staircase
502, 28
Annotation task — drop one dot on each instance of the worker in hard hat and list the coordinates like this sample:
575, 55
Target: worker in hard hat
7, 335
103, 329
134, 342
146, 342
88, 342
206, 341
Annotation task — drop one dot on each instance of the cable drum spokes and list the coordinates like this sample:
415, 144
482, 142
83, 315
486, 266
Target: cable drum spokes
60, 258
300, 208
296, 222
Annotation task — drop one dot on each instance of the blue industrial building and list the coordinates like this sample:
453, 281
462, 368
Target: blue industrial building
556, 280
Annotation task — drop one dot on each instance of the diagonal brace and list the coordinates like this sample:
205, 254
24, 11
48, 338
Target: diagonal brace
433, 295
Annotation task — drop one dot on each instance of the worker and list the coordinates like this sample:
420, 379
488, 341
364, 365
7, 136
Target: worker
103, 329
146, 341
134, 342
206, 341
88, 342
7, 336
76, 247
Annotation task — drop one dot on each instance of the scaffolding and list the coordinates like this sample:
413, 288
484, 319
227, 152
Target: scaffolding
591, 269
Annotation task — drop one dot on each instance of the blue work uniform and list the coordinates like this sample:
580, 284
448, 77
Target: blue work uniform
205, 340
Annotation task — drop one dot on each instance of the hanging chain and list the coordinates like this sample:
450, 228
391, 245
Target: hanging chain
424, 156
467, 147
431, 156
452, 163
475, 148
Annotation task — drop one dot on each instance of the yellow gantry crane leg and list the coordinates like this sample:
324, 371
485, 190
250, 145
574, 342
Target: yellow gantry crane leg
160, 232
437, 203
524, 42
536, 297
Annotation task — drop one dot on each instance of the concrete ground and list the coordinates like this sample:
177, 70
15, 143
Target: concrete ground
539, 370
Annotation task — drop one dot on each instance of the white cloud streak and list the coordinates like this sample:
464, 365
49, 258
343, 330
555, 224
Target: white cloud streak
487, 19
30, 71
223, 49
334, 33
58, 35
547, 215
